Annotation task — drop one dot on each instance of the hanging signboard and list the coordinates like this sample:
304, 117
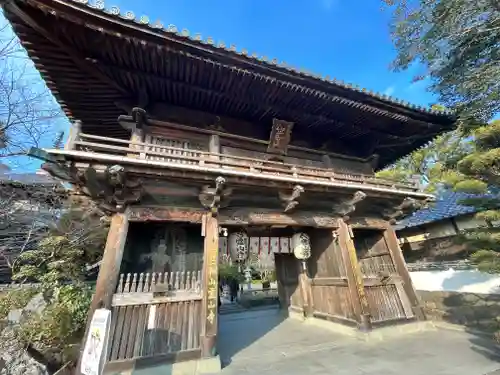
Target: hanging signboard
281, 134
94, 354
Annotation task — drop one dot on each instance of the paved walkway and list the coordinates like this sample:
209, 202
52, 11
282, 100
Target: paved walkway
262, 343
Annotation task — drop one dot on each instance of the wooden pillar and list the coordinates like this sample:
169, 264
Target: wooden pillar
74, 135
354, 276
214, 148
110, 267
111, 261
137, 136
210, 229
400, 265
305, 291
327, 162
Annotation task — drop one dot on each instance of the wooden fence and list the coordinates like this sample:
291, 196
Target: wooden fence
155, 315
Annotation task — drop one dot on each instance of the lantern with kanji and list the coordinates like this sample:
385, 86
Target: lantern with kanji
301, 247
238, 246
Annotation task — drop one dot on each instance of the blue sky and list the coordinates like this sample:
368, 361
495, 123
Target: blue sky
339, 38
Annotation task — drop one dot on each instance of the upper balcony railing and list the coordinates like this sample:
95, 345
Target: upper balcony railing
182, 152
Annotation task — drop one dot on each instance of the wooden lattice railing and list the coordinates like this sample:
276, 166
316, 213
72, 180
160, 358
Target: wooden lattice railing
155, 314
192, 155
147, 282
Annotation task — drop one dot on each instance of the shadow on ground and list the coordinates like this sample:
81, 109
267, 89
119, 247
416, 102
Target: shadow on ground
240, 330
477, 313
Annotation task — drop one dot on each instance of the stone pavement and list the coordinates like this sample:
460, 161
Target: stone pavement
263, 342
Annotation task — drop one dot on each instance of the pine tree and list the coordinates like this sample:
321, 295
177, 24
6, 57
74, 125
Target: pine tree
479, 173
432, 162
453, 44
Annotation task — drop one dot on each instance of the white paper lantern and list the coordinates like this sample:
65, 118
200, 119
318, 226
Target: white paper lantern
301, 246
238, 246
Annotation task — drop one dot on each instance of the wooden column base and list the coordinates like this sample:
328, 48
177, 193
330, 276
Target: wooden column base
208, 346
366, 323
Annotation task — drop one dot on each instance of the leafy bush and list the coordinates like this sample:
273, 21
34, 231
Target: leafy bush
15, 299
228, 272
58, 263
61, 324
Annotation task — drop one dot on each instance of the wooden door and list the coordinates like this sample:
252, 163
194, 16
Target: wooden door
383, 284
287, 275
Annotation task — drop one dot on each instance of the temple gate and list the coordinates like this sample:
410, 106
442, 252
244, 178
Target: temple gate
181, 139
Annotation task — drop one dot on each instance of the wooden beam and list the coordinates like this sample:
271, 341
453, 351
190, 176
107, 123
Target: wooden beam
74, 135
400, 264
354, 276
256, 102
210, 228
110, 266
249, 216
111, 260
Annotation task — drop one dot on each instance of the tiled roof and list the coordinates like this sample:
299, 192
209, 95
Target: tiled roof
445, 207
209, 42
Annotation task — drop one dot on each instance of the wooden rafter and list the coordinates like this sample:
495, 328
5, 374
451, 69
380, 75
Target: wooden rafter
265, 103
78, 59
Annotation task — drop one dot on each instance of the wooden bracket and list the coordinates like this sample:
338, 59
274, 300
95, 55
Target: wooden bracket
216, 197
140, 117
290, 201
405, 208
112, 190
345, 208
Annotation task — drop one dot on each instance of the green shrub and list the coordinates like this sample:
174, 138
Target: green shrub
15, 299
61, 324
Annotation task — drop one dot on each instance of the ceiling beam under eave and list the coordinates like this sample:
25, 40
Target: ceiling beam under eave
262, 104
79, 60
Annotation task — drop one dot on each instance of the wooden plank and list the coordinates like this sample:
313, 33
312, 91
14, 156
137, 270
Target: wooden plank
354, 277
133, 331
127, 365
127, 323
210, 286
405, 301
128, 299
141, 329
402, 270
334, 318
329, 281
117, 337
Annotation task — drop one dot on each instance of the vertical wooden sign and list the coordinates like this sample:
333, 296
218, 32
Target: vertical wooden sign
210, 285
279, 139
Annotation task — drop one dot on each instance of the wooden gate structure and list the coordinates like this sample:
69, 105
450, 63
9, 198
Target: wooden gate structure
172, 128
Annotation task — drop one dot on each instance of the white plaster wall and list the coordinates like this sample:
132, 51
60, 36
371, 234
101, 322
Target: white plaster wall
467, 281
